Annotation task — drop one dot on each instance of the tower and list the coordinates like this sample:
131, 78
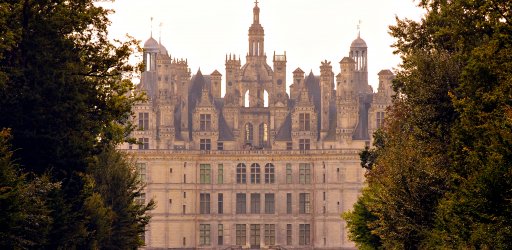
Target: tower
359, 53
256, 37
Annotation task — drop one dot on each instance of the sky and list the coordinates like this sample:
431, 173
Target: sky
309, 31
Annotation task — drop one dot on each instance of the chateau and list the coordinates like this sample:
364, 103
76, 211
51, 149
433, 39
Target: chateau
258, 167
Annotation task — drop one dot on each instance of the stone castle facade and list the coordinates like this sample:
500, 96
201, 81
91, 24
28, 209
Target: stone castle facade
257, 167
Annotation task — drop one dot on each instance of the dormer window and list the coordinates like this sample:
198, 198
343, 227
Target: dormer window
205, 122
304, 122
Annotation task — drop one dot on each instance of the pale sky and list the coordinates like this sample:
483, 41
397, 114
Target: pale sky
310, 31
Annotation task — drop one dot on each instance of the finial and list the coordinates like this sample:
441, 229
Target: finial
151, 26
256, 2
160, 33
359, 29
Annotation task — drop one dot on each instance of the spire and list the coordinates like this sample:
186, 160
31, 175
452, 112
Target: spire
256, 12
160, 33
359, 29
151, 27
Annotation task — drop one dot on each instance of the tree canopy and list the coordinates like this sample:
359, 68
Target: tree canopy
66, 99
440, 175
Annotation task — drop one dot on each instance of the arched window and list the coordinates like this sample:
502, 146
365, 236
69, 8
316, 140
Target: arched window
255, 173
241, 173
269, 173
247, 100
248, 133
265, 99
263, 134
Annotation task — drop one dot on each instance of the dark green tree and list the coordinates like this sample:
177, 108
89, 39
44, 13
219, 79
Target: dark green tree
64, 96
443, 171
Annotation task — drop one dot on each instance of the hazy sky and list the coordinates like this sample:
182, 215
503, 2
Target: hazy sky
310, 31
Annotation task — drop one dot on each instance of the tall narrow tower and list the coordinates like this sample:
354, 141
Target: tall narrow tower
359, 53
256, 36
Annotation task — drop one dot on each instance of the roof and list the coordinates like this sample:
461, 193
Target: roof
358, 43
151, 43
216, 73
347, 60
385, 72
298, 70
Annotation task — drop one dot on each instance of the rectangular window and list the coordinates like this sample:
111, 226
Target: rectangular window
269, 173
184, 209
255, 203
304, 144
143, 121
241, 173
255, 236
220, 235
205, 173
241, 234
289, 203
269, 203
143, 143
255, 173
141, 199
240, 204
289, 146
204, 203
204, 234
220, 203
220, 174
304, 173
288, 173
205, 144
304, 233
380, 119
304, 203
288, 234
304, 124
141, 171
205, 122
220, 145
270, 234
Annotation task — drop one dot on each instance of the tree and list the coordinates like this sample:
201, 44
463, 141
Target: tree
64, 95
443, 171
24, 214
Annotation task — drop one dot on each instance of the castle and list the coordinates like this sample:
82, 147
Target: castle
257, 167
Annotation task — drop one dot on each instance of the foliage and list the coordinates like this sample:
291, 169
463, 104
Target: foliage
441, 178
24, 212
65, 96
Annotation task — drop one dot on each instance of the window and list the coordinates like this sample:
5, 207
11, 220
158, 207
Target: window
304, 144
205, 144
204, 173
143, 121
220, 174
241, 234
204, 234
204, 203
289, 203
220, 235
143, 143
140, 199
288, 173
241, 173
255, 173
184, 209
220, 203
240, 204
269, 203
255, 203
289, 146
255, 235
304, 232
304, 203
304, 122
263, 134
269, 173
270, 234
288, 234
141, 171
205, 122
380, 119
304, 173
248, 133
220, 145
